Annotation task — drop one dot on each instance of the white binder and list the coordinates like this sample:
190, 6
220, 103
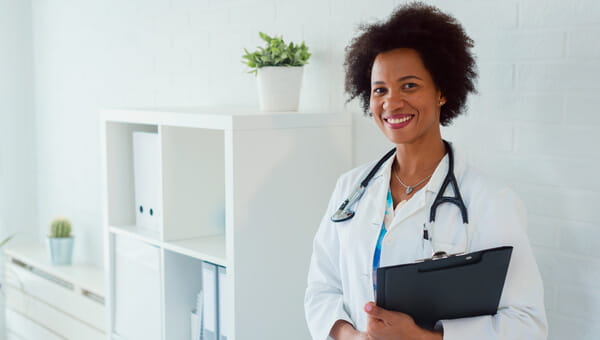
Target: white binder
223, 300
195, 326
146, 164
198, 325
210, 313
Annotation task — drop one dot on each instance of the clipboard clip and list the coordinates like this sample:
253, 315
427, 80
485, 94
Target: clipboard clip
439, 255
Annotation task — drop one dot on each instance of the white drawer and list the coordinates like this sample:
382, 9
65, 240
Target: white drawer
50, 318
18, 327
57, 293
51, 306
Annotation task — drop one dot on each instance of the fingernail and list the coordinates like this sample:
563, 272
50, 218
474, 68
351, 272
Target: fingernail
369, 307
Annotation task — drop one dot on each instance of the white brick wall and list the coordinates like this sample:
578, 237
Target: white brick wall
533, 124
555, 160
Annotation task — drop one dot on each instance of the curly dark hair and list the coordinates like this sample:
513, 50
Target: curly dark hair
440, 41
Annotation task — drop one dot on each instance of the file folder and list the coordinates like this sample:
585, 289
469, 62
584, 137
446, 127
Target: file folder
210, 313
223, 300
146, 164
448, 288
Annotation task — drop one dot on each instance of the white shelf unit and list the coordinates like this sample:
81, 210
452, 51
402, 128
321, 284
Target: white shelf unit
44, 301
238, 189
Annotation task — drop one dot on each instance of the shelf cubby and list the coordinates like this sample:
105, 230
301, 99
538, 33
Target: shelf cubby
242, 190
120, 181
193, 170
182, 282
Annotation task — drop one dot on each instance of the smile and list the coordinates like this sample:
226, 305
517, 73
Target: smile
398, 121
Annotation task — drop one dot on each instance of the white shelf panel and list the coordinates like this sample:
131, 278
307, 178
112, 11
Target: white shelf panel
226, 119
211, 153
210, 248
35, 254
145, 235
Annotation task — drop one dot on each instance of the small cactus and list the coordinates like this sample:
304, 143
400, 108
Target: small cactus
60, 227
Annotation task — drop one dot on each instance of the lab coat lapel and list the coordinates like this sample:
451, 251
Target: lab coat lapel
366, 225
413, 206
371, 209
376, 195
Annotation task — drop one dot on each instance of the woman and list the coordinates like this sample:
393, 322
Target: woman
413, 73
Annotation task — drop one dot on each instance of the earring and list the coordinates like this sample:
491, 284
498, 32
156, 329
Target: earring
441, 103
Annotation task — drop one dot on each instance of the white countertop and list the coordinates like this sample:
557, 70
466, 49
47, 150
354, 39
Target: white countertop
83, 276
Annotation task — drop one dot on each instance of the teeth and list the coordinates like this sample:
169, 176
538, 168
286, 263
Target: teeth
398, 120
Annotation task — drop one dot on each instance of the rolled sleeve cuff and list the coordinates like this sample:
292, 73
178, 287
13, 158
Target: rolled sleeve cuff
456, 329
324, 317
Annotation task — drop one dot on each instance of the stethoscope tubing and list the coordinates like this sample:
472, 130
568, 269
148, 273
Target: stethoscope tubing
345, 212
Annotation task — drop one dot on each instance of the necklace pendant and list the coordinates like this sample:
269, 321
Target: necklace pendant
408, 190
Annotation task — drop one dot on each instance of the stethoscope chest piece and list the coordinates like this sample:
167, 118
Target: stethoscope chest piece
342, 215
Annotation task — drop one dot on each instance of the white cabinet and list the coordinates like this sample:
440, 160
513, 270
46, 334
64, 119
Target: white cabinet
137, 275
241, 190
51, 302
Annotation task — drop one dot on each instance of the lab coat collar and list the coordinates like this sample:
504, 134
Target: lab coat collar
384, 170
379, 187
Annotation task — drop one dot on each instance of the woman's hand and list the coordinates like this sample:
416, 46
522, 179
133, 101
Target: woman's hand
342, 330
383, 324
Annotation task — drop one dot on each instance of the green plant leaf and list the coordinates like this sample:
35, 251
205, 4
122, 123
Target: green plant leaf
276, 53
264, 37
6, 240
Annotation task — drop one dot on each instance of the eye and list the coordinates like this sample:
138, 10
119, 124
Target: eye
408, 86
379, 90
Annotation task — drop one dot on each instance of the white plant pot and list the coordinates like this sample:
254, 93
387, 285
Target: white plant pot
279, 87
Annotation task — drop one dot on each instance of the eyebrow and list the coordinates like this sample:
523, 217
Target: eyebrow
399, 79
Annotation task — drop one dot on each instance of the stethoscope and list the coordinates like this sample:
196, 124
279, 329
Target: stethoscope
345, 211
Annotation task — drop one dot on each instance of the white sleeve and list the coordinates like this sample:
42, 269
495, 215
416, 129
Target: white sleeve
521, 314
323, 300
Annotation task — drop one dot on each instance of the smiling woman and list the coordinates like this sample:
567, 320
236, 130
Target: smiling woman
405, 102
413, 73
441, 43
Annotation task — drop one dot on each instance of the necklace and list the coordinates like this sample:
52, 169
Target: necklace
410, 188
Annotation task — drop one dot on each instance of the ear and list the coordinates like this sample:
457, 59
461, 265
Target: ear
442, 99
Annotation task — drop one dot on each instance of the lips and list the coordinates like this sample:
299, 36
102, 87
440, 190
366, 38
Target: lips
398, 121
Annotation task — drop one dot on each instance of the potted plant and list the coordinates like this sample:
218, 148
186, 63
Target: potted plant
60, 241
279, 68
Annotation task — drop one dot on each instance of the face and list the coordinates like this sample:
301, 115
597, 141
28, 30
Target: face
404, 99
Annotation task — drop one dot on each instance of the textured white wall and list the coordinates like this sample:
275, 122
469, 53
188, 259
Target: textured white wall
17, 124
532, 124
17, 128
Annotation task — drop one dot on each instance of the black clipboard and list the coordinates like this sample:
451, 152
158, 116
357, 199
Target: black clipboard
453, 287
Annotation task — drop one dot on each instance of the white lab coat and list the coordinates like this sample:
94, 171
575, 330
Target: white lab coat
340, 275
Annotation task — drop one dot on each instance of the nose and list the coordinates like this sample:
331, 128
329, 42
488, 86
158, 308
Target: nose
393, 102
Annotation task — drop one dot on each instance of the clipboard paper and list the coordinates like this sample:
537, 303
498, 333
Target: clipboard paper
449, 288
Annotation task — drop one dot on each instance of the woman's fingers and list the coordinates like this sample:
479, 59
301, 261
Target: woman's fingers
374, 311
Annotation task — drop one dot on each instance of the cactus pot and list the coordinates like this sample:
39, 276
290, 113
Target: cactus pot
61, 250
